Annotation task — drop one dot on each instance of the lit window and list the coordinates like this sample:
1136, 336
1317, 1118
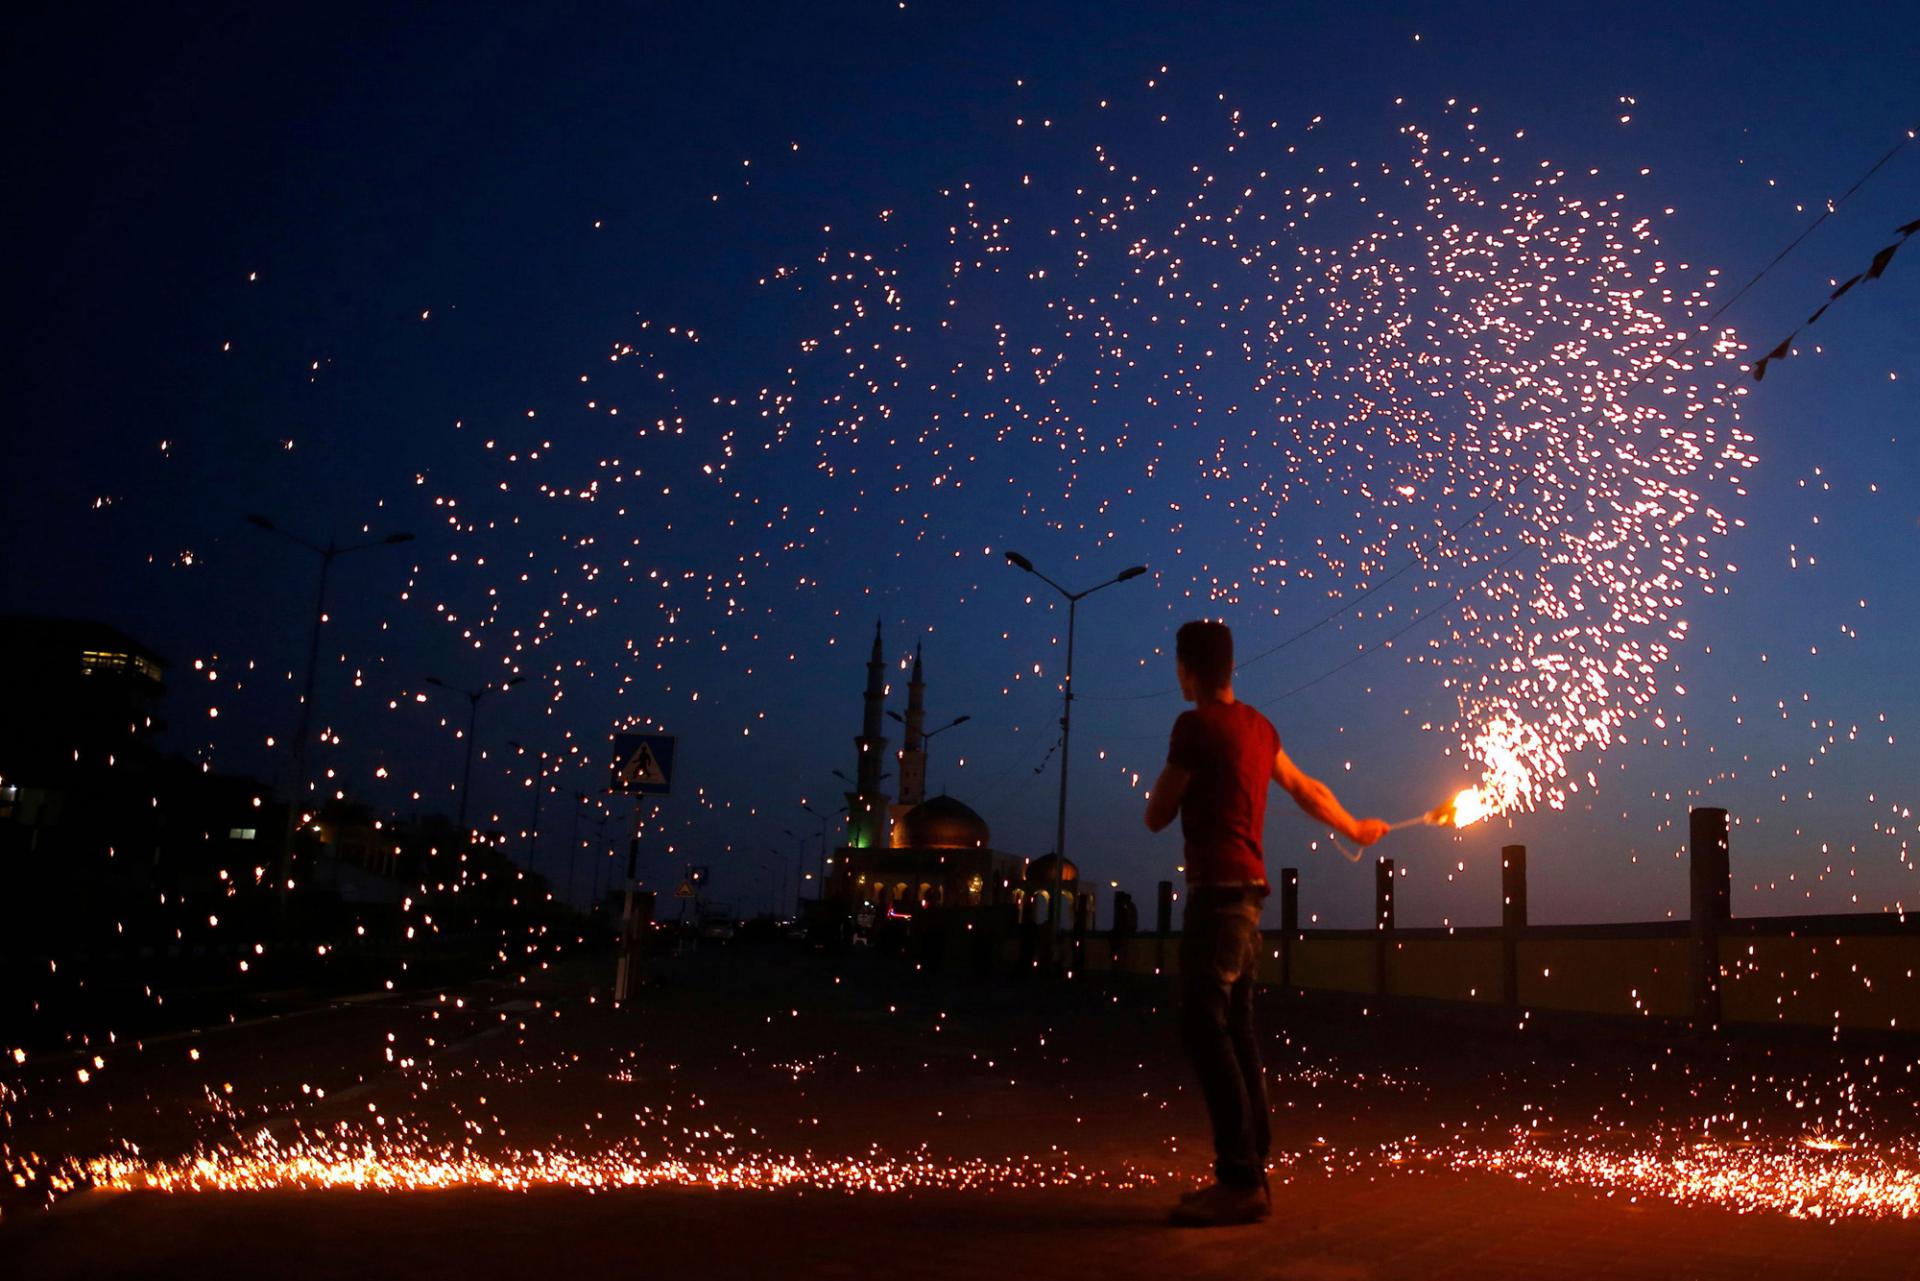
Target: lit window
241, 833
100, 660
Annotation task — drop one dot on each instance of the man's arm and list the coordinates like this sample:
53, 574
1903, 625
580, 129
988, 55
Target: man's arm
1163, 802
1318, 800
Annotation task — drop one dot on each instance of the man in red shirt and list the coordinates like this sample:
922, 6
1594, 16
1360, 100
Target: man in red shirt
1219, 762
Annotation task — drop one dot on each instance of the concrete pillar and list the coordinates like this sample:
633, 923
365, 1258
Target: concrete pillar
1125, 925
1162, 923
1709, 885
1382, 921
1513, 918
1289, 921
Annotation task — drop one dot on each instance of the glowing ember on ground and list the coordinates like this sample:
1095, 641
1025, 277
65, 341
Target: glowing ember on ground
1803, 1180
360, 1161
1800, 1179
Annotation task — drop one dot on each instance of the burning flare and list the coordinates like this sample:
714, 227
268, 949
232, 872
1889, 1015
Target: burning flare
1468, 806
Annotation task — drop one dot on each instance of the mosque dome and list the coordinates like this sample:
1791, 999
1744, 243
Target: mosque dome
1040, 871
942, 823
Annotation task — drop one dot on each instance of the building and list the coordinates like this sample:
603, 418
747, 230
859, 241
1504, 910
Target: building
82, 707
923, 852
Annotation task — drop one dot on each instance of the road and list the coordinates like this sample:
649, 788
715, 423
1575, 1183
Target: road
759, 1111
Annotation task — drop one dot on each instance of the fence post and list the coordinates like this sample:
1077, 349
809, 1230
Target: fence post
1709, 882
1162, 925
1289, 921
1382, 921
1513, 918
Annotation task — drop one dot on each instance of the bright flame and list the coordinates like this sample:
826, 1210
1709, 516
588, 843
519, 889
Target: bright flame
1469, 806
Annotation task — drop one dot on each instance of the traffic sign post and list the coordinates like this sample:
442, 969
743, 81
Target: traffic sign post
631, 929
642, 767
642, 764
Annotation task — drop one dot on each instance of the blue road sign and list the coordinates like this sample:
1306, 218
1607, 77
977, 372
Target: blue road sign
642, 764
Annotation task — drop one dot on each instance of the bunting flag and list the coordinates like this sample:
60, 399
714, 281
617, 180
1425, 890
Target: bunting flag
1873, 271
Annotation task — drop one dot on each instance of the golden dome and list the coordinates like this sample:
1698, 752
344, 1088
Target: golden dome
942, 823
1040, 871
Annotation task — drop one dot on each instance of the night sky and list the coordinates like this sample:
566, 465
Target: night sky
387, 269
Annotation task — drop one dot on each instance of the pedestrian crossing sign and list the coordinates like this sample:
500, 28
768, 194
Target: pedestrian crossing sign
642, 764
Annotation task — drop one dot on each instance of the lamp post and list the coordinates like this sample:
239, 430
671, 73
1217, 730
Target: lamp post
573, 848
473, 715
327, 555
927, 736
539, 793
1066, 727
780, 863
825, 819
799, 864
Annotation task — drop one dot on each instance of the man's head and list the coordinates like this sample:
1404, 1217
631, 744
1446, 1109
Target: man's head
1203, 654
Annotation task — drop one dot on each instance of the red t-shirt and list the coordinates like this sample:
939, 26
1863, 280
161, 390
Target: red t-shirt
1228, 748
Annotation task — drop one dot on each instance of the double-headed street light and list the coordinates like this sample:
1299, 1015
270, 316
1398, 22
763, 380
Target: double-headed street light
825, 821
473, 714
327, 556
926, 736
799, 864
539, 793
1066, 721
780, 863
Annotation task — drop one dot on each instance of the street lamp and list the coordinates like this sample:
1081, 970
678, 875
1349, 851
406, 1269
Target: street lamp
825, 819
780, 862
1066, 722
927, 735
799, 864
539, 793
327, 556
473, 714
573, 849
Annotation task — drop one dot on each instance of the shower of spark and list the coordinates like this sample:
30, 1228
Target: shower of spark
1479, 361
1811, 1179
1292, 367
373, 1162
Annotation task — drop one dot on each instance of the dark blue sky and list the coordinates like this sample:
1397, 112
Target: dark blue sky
455, 214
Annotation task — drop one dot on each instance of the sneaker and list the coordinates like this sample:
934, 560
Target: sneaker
1221, 1206
1187, 1198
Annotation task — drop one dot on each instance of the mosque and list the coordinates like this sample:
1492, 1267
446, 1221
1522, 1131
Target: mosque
924, 852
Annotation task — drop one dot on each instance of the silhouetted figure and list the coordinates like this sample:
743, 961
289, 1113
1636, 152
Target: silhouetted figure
1221, 757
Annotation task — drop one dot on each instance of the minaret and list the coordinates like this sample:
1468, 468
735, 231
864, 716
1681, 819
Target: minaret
867, 806
913, 760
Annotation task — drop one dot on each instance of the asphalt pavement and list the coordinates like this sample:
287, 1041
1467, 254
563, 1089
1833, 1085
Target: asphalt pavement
766, 1111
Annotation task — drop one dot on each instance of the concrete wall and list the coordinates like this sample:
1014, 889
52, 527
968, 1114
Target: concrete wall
1647, 976
1820, 972
1334, 964
1453, 969
1823, 980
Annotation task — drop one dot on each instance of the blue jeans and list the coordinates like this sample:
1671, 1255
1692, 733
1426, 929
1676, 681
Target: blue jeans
1219, 945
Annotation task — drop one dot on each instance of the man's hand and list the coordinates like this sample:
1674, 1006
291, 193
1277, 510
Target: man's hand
1368, 830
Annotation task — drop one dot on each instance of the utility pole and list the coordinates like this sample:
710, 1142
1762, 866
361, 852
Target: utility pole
820, 890
304, 728
1066, 729
539, 793
473, 717
573, 846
